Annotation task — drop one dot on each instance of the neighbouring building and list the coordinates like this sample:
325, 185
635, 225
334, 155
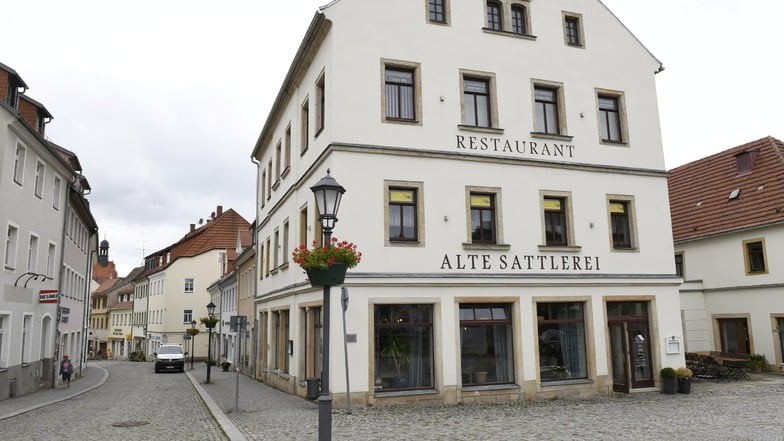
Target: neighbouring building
171, 292
728, 227
49, 249
505, 181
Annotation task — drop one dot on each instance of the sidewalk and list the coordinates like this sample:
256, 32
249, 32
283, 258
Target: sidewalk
262, 413
93, 376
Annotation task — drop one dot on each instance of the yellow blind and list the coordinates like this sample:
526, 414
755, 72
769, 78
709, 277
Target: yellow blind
480, 201
401, 196
552, 204
617, 207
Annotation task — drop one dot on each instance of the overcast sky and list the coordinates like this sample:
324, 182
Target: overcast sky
163, 100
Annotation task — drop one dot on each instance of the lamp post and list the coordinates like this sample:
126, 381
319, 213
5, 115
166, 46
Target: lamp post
193, 341
210, 324
328, 194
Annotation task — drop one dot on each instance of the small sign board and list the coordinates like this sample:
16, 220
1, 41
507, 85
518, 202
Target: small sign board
48, 296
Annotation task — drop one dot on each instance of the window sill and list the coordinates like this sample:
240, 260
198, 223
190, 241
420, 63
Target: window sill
283, 266
625, 250
554, 136
276, 184
495, 130
566, 382
2, 370
576, 46
405, 393
273, 271
510, 34
406, 122
285, 172
560, 248
487, 246
25, 364
614, 143
318, 132
401, 243
479, 388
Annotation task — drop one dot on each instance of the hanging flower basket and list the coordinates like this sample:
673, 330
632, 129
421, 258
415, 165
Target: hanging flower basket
333, 275
327, 265
192, 331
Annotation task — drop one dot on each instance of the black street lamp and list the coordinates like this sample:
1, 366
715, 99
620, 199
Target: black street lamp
328, 194
193, 341
209, 324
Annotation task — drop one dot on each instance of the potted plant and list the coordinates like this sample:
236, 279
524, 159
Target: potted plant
757, 363
326, 266
560, 371
684, 375
192, 331
397, 349
668, 380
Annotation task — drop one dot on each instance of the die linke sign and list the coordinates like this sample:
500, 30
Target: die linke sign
48, 296
515, 262
514, 146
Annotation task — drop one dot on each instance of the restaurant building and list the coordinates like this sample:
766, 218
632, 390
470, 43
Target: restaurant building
505, 183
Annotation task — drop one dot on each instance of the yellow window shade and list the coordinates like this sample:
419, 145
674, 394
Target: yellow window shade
401, 196
481, 200
552, 204
617, 207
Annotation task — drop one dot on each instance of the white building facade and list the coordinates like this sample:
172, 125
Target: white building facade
732, 303
505, 178
49, 239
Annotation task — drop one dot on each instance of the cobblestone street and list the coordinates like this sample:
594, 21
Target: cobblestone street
169, 406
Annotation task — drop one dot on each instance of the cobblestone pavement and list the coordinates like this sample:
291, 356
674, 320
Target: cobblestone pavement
133, 404
734, 411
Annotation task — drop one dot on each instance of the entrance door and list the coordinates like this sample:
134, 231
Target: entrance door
630, 345
734, 335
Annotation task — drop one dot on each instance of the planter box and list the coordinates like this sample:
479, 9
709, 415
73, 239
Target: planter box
332, 276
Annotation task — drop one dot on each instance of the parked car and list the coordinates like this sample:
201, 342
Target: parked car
170, 357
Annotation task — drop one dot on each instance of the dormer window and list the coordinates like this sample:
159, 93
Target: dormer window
744, 162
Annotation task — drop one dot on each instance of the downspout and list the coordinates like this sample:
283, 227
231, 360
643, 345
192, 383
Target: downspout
255, 332
87, 301
56, 355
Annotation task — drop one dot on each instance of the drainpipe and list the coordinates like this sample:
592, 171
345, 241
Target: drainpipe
255, 271
56, 355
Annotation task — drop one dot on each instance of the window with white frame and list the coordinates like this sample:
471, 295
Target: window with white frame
11, 240
320, 103
188, 285
19, 163
285, 246
187, 316
276, 250
56, 188
304, 120
32, 254
40, 173
4, 319
286, 151
26, 336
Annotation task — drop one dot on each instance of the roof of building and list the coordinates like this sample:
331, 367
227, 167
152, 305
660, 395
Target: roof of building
734, 190
218, 233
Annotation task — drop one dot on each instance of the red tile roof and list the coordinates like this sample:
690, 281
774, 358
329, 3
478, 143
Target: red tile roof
700, 202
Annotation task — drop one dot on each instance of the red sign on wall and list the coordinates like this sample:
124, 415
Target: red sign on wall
48, 296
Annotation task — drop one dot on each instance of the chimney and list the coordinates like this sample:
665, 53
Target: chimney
193, 228
220, 210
